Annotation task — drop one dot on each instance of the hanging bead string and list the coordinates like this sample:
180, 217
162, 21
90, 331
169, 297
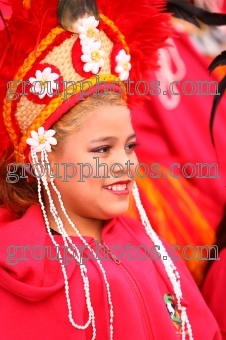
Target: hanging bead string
66, 237
82, 267
168, 263
87, 245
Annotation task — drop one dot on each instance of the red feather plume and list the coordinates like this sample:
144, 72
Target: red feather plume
22, 34
145, 28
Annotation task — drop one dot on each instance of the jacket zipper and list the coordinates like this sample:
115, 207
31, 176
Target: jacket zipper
142, 305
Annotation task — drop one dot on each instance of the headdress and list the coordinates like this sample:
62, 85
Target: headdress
97, 46
37, 50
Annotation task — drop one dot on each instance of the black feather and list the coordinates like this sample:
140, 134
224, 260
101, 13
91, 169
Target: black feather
69, 11
219, 60
182, 14
216, 101
5, 25
208, 18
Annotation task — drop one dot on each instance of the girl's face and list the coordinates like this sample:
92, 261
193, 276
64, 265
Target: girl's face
106, 138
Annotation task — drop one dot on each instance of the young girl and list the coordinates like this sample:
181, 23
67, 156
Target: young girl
71, 266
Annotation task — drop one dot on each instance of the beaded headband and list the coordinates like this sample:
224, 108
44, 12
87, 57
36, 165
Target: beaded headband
48, 69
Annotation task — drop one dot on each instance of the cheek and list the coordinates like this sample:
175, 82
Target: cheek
81, 197
135, 162
84, 172
72, 172
81, 187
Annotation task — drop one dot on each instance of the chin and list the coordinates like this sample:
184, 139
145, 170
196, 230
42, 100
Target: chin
116, 210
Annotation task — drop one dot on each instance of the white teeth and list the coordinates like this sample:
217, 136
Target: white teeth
117, 187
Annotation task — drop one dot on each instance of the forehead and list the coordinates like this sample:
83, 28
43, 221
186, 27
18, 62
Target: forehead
109, 118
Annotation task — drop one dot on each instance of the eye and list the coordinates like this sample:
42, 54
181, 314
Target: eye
130, 147
102, 149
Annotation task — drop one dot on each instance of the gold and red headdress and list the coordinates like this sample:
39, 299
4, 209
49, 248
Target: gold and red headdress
54, 55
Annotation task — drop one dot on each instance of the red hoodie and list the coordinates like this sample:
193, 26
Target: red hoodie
33, 303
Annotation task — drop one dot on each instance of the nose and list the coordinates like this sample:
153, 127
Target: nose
118, 170
121, 164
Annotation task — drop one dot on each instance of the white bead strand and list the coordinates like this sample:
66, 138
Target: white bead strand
111, 316
82, 268
168, 263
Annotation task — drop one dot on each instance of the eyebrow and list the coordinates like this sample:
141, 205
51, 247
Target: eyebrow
104, 139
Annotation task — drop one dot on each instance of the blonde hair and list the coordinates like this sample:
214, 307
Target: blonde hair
77, 116
17, 197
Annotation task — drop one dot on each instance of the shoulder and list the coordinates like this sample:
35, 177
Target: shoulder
5, 216
19, 230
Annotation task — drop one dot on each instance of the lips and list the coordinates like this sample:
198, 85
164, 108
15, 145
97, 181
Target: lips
116, 187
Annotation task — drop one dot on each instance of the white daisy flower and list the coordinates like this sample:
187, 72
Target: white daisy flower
44, 82
87, 30
123, 65
42, 139
92, 57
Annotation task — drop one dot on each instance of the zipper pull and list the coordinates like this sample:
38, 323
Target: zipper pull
112, 256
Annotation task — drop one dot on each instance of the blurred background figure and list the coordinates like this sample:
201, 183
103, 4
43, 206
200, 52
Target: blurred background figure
174, 128
214, 284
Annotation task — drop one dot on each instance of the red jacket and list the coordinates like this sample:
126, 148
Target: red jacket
214, 291
33, 303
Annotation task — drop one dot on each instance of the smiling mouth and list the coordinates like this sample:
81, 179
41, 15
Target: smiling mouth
116, 187
120, 187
